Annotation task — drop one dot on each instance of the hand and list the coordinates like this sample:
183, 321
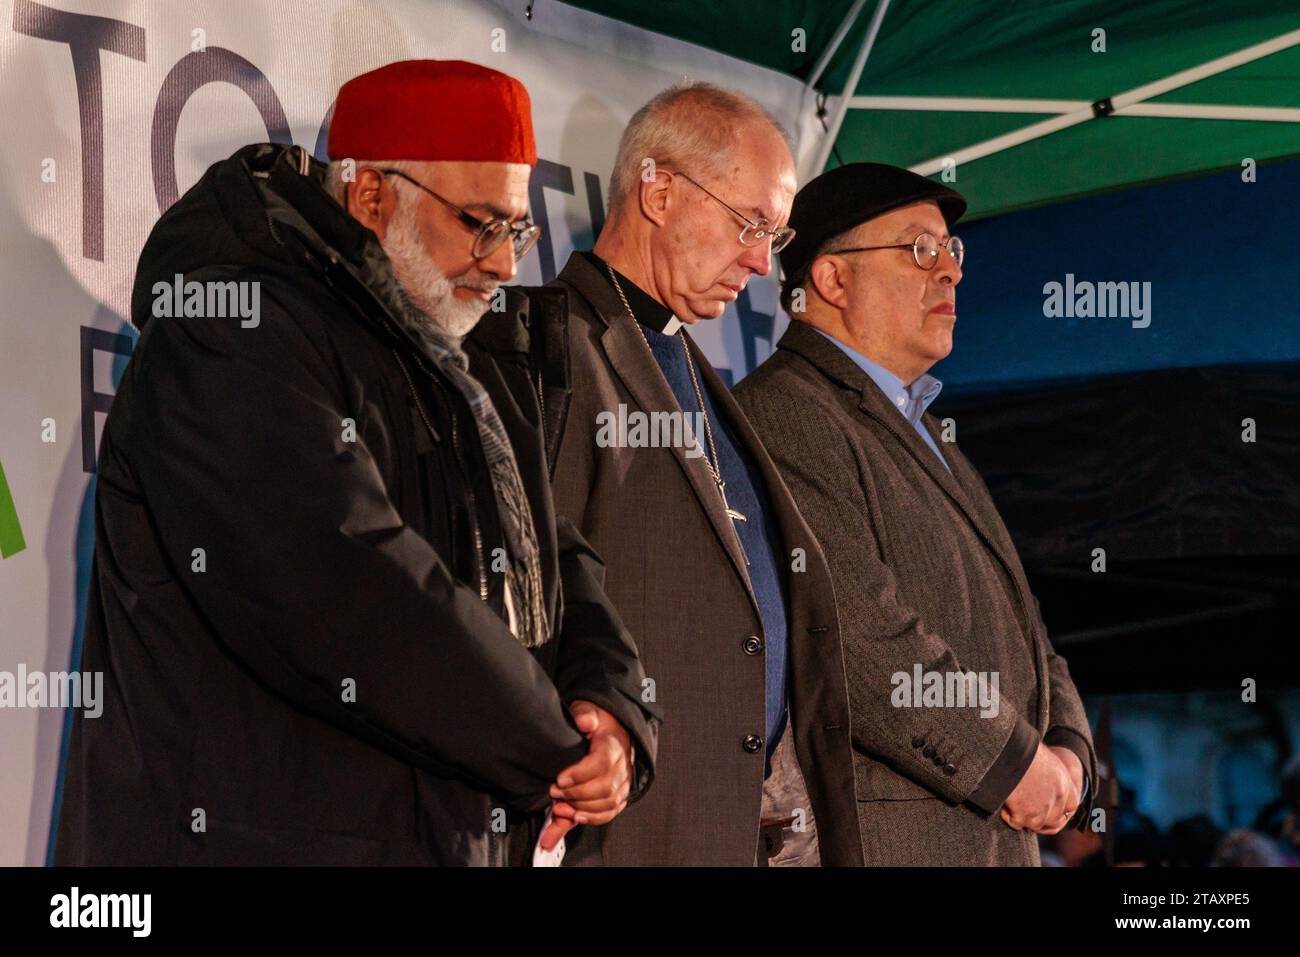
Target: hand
1046, 797
596, 789
1072, 765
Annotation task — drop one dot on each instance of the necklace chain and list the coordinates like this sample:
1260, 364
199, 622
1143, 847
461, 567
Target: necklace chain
714, 470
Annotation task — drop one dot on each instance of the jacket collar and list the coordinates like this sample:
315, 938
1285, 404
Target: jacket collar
650, 312
917, 396
299, 213
581, 274
300, 179
803, 340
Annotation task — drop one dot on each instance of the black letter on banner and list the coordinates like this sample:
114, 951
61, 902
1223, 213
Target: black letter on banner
92, 401
86, 36
754, 325
321, 152
192, 71
595, 204
547, 175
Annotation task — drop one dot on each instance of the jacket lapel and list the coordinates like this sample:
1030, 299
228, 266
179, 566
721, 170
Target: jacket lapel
831, 360
972, 485
641, 376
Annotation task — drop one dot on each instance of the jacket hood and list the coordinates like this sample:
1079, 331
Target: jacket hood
264, 209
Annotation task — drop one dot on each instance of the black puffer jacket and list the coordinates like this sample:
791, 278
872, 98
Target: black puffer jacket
301, 634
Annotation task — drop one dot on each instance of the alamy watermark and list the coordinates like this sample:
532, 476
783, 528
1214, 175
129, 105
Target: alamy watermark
946, 689
128, 911
1101, 300
210, 300
637, 430
53, 689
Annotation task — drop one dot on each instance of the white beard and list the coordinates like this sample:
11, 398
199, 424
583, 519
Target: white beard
425, 285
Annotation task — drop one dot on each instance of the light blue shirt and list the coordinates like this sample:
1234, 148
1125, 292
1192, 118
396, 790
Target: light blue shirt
910, 401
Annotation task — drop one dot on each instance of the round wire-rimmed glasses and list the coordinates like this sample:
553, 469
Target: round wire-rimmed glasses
925, 250
753, 233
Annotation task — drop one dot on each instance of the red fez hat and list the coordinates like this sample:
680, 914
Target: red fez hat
433, 110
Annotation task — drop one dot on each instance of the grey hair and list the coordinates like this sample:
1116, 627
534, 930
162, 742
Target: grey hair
690, 126
336, 185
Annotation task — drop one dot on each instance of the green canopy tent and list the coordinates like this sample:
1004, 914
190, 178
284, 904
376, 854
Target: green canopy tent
1025, 103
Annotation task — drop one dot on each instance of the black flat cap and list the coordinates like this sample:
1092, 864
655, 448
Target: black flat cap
847, 196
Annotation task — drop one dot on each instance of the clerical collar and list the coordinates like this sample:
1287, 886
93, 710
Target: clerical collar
650, 312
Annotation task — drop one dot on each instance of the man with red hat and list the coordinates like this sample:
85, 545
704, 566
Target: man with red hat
329, 585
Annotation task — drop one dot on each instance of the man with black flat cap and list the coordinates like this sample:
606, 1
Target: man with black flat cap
969, 736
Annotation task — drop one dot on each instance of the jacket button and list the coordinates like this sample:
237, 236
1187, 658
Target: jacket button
753, 645
950, 769
918, 741
929, 751
752, 743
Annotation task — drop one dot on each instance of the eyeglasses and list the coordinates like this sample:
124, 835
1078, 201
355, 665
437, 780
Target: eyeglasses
490, 233
754, 232
925, 250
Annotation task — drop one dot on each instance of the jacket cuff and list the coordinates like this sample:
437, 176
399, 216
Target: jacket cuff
1005, 773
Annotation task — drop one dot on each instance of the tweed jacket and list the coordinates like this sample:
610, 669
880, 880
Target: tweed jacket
927, 581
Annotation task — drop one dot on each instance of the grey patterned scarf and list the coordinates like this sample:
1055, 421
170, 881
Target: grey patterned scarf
524, 568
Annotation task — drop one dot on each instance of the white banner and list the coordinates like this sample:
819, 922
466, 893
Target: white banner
112, 110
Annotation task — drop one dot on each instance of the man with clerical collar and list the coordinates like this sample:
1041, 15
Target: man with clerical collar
707, 559
343, 623
969, 736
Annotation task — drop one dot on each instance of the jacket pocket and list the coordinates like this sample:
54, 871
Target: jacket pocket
875, 781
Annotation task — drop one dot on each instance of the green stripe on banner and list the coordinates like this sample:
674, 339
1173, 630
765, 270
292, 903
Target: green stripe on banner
11, 533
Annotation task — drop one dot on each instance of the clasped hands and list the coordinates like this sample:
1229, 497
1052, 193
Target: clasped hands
1048, 794
596, 789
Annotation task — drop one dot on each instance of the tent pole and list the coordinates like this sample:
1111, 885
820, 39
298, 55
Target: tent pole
855, 74
841, 32
1119, 102
1219, 65
974, 104
1214, 111
965, 104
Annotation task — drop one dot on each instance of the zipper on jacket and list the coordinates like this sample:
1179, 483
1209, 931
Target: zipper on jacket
455, 442
537, 364
473, 501
541, 407
541, 411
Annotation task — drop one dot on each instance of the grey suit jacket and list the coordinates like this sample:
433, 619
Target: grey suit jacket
925, 574
674, 571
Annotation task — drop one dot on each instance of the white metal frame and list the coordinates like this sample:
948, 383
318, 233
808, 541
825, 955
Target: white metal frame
855, 73
1067, 113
